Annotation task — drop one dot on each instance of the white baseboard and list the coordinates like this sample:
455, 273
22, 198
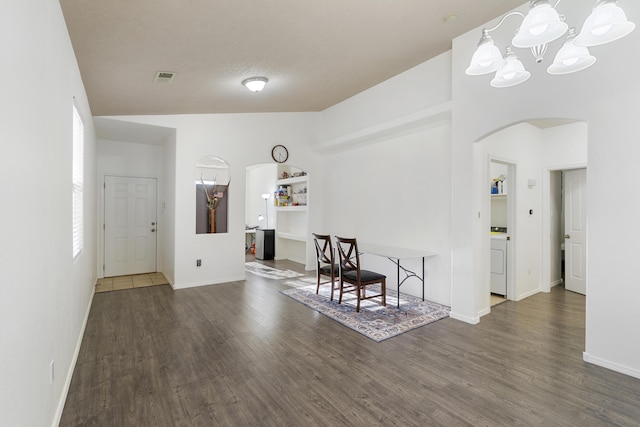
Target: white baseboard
632, 372
555, 283
526, 295
484, 312
209, 282
72, 366
466, 319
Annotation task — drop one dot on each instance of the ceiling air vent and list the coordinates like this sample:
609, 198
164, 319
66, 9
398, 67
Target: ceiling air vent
164, 77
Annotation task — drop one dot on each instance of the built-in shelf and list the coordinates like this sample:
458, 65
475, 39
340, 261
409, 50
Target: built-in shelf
291, 208
294, 180
292, 236
498, 196
291, 212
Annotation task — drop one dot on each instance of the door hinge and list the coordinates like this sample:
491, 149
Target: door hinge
104, 226
104, 185
103, 268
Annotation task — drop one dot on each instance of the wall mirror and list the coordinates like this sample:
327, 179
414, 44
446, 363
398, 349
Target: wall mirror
212, 188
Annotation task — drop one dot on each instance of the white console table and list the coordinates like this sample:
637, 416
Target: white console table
396, 255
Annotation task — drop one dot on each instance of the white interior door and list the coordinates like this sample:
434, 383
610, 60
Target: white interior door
575, 228
129, 226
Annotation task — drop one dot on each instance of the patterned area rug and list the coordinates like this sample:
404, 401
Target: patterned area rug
270, 272
373, 321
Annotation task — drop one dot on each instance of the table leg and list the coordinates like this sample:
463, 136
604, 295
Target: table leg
398, 283
422, 278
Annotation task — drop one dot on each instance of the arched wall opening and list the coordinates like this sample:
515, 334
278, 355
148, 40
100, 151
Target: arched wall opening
534, 149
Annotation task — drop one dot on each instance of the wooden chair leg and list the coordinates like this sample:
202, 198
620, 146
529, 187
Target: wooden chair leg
318, 287
332, 285
384, 292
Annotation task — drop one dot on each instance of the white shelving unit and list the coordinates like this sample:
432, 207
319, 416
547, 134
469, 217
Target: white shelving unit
292, 215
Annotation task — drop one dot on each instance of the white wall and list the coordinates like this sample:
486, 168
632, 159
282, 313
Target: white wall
45, 292
396, 193
385, 176
419, 88
261, 179
534, 152
605, 97
168, 210
241, 140
519, 145
121, 158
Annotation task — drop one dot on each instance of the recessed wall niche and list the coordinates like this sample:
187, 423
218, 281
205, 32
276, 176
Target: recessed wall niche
212, 195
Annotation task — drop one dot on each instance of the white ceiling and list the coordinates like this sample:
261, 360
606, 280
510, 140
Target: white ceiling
315, 53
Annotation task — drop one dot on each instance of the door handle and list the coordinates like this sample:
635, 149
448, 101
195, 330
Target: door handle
153, 223
153, 230
567, 236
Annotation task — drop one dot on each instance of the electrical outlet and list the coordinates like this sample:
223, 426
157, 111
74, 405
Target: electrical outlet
198, 262
52, 372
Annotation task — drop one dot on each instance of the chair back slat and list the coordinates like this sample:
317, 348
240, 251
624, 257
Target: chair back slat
348, 254
324, 248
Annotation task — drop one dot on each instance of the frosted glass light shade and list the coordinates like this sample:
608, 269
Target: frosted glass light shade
511, 74
541, 25
255, 84
486, 59
606, 23
570, 59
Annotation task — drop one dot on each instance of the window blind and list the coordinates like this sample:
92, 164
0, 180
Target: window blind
77, 182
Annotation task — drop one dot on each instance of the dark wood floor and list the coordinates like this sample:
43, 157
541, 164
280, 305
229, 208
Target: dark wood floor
242, 354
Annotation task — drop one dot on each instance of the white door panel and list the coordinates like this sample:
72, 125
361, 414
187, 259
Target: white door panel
130, 225
575, 208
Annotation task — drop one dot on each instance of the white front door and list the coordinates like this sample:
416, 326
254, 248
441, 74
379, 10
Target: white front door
129, 225
575, 229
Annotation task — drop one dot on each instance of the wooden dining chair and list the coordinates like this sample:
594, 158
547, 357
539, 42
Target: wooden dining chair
351, 273
325, 260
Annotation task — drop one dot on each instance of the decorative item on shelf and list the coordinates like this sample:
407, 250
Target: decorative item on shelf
213, 197
541, 26
498, 185
284, 175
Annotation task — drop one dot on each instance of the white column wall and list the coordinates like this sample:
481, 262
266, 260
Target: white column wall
606, 98
520, 145
45, 292
168, 210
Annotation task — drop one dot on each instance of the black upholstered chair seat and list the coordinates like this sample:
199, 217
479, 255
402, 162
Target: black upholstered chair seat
365, 275
326, 270
352, 274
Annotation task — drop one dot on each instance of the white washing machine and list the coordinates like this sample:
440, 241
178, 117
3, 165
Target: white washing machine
499, 263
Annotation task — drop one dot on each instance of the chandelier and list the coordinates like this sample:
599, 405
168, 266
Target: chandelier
541, 26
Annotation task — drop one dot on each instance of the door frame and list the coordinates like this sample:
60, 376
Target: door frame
545, 286
100, 252
512, 195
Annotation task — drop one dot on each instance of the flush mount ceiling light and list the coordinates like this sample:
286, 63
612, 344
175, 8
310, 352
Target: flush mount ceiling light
541, 26
255, 84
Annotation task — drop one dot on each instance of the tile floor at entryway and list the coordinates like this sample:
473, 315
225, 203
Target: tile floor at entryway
497, 299
129, 282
